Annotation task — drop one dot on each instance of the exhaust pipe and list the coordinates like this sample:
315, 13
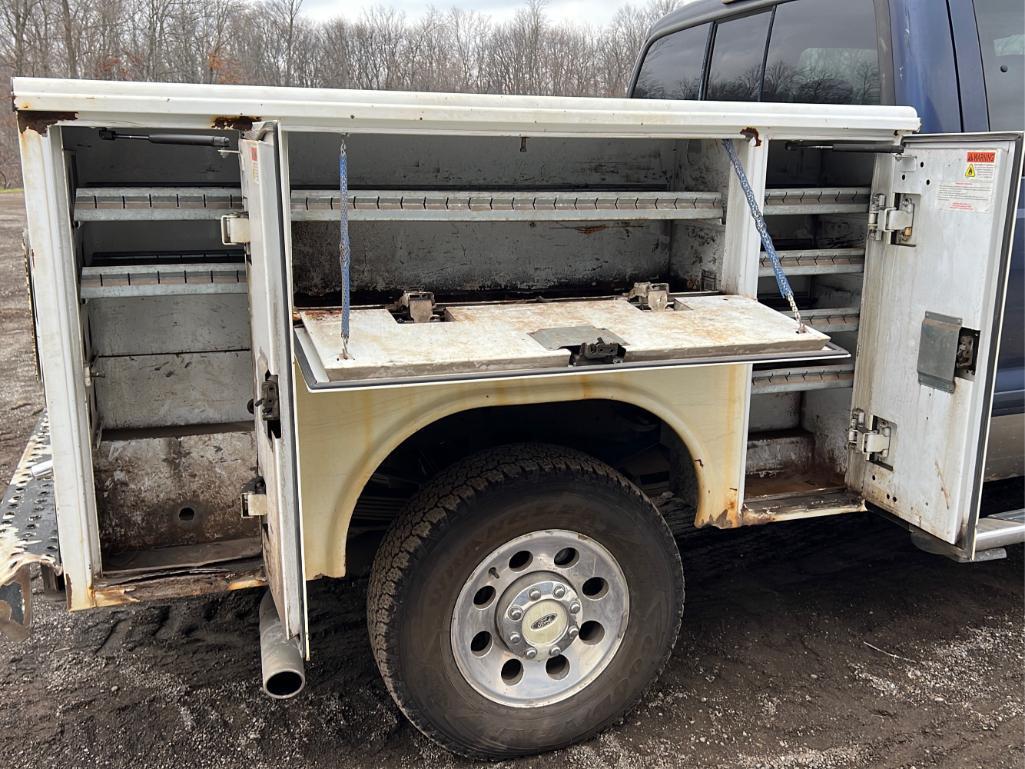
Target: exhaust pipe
284, 675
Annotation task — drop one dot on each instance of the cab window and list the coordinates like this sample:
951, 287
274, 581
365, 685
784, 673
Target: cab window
735, 67
673, 66
1002, 38
823, 52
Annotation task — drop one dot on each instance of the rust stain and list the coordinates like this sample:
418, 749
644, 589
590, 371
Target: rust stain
752, 133
943, 483
591, 229
749, 517
41, 120
730, 516
234, 122
113, 596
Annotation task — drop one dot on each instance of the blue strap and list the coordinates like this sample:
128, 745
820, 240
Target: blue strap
344, 249
763, 231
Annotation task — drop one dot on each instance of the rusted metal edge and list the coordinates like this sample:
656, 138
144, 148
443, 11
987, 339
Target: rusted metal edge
15, 583
179, 586
234, 122
752, 133
41, 120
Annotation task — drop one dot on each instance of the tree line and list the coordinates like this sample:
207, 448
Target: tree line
271, 42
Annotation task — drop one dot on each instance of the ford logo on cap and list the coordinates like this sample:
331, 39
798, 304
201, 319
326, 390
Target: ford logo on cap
545, 621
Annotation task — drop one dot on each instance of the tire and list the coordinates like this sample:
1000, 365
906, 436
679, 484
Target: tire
436, 554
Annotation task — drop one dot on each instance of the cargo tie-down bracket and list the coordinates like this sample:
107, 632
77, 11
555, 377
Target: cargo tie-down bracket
763, 231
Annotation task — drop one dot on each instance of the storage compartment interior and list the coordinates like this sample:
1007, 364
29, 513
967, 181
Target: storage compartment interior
507, 235
567, 229
166, 335
816, 209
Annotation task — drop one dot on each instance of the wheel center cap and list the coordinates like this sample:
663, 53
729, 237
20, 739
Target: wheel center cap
538, 616
544, 623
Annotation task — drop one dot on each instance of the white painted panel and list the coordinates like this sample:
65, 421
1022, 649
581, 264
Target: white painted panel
206, 106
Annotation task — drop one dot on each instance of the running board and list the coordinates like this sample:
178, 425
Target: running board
1000, 530
992, 534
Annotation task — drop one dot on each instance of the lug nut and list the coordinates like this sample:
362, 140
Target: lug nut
515, 638
515, 613
535, 594
559, 591
574, 607
555, 651
530, 653
573, 632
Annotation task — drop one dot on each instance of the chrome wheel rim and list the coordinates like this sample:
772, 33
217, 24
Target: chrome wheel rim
540, 618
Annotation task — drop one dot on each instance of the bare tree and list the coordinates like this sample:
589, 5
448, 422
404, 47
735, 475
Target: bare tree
271, 42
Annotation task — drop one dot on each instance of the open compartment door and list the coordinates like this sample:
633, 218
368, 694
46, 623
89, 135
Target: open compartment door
936, 267
270, 316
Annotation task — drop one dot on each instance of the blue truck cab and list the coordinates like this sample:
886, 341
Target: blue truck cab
959, 63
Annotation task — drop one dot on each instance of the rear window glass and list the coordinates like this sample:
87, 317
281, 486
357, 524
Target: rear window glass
672, 68
735, 69
1002, 36
823, 52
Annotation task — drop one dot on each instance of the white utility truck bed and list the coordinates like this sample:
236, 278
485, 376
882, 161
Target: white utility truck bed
484, 343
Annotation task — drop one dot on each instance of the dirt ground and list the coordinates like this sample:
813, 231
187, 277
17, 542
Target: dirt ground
829, 644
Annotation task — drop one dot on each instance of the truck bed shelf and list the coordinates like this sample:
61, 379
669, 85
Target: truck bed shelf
817, 200
94, 204
198, 203
163, 279
832, 320
817, 261
383, 205
804, 378
105, 204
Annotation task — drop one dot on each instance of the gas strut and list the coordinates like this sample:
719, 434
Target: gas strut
192, 140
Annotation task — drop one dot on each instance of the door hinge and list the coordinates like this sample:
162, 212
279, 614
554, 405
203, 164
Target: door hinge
234, 229
883, 219
870, 436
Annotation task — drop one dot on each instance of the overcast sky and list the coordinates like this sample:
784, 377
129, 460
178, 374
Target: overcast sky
597, 12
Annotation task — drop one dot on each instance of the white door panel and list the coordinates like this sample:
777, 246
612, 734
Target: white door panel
270, 313
930, 328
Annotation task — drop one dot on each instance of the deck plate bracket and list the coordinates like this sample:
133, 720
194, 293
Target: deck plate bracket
586, 344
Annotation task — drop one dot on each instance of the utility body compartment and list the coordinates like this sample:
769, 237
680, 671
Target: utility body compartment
580, 270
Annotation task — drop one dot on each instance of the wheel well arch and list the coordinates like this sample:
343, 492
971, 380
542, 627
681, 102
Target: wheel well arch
651, 451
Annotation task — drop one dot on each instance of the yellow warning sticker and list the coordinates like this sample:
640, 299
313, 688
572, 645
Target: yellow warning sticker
973, 191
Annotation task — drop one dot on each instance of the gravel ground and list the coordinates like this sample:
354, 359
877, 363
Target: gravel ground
829, 644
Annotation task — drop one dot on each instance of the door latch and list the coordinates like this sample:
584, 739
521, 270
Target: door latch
235, 230
254, 499
416, 306
268, 402
650, 296
899, 219
870, 436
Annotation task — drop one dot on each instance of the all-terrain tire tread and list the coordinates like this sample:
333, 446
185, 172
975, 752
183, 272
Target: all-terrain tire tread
446, 498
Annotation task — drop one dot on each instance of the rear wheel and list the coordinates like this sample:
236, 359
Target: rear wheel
524, 601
